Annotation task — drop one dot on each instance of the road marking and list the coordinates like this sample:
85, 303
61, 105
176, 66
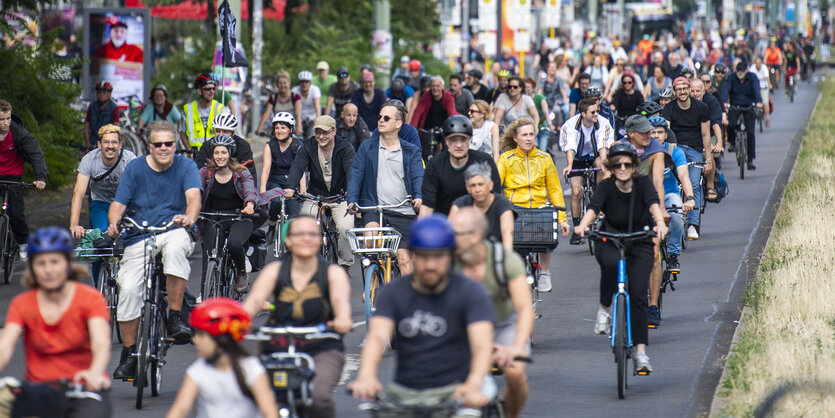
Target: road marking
357, 324
352, 364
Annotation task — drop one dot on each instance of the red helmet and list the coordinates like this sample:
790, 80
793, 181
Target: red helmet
219, 316
414, 65
104, 85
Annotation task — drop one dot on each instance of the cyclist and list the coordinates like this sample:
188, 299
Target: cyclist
339, 93
541, 104
443, 180
774, 60
161, 187
228, 187
475, 86
227, 124
515, 104
329, 164
160, 109
626, 99
743, 89
690, 120
279, 153
400, 90
463, 97
584, 138
385, 171
648, 109
530, 180
666, 96
719, 71
283, 100
496, 207
791, 58
509, 293
227, 381
443, 323
101, 112
306, 290
323, 81
553, 88
605, 111
310, 96
502, 79
199, 114
629, 201
350, 128
431, 111
578, 93
761, 71
368, 99
65, 330
657, 83
717, 115
485, 132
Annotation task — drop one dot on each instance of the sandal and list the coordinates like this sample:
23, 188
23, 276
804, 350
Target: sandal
712, 195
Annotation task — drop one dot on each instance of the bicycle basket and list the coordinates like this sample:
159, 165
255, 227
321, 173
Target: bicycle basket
535, 230
374, 240
286, 377
92, 255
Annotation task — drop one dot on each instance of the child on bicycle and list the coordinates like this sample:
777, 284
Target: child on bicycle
225, 382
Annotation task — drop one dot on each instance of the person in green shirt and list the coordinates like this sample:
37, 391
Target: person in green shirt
545, 125
323, 80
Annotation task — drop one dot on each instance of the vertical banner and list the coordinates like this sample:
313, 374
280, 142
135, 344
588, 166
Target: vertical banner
115, 45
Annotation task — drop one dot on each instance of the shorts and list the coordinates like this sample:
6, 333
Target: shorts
579, 164
400, 222
505, 333
176, 246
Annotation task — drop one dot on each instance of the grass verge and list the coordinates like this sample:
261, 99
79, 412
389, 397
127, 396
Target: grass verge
789, 323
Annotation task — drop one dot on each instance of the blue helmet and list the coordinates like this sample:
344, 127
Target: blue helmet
657, 121
432, 233
50, 239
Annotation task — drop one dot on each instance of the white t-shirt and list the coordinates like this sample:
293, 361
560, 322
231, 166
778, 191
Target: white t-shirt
570, 137
310, 102
482, 139
219, 395
762, 75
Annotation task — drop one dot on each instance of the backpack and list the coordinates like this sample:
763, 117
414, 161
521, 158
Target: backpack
499, 267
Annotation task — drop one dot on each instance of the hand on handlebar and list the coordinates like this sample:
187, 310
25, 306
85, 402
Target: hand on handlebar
289, 193
113, 230
39, 184
470, 395
565, 228
365, 388
77, 231
94, 381
352, 208
688, 205
249, 209
416, 203
566, 171
341, 325
504, 356
182, 220
581, 230
661, 231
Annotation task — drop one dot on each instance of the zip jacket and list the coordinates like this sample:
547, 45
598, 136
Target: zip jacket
530, 180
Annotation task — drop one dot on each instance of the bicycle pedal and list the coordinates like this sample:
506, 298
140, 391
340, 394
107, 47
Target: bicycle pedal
652, 326
642, 373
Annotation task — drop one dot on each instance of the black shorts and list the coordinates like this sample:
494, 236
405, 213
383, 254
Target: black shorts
401, 223
579, 164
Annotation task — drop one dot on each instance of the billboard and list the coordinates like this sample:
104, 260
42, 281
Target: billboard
117, 49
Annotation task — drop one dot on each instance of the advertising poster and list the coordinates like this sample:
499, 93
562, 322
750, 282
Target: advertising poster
116, 41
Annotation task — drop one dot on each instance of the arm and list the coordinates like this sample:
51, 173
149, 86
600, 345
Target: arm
262, 288
572, 109
267, 111
497, 144
569, 158
266, 162
297, 112
8, 340
328, 105
193, 203
658, 175
339, 288
684, 178
480, 335
506, 226
300, 164
498, 114
94, 376
520, 294
554, 190
262, 391
318, 100
78, 192
367, 385
429, 191
185, 399
706, 144
658, 215
114, 214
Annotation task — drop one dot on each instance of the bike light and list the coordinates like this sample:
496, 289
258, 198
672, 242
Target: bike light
530, 280
366, 262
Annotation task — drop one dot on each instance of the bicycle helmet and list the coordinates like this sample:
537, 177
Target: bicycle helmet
305, 76
657, 121
286, 118
225, 121
649, 107
48, 240
432, 234
104, 85
224, 140
720, 68
219, 316
159, 87
623, 148
504, 74
414, 65
667, 93
593, 91
203, 80
458, 124
476, 74
398, 87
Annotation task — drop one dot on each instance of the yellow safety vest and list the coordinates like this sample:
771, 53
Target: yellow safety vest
197, 133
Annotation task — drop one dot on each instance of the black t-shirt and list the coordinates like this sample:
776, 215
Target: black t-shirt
341, 98
494, 213
442, 183
627, 104
615, 204
433, 349
482, 92
436, 116
224, 198
687, 124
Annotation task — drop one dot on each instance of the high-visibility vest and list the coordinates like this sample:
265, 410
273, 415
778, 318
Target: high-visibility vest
197, 133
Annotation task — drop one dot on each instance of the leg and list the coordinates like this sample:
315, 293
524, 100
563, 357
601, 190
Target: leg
237, 239
516, 392
607, 257
750, 120
404, 261
733, 118
638, 269
17, 216
576, 194
98, 219
676, 224
131, 298
328, 371
175, 246
402, 224
695, 180
343, 223
655, 273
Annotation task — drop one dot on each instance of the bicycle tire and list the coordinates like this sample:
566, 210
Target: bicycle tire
158, 358
741, 152
373, 280
761, 120
535, 272
226, 285
143, 351
132, 142
620, 344
111, 297
208, 288
278, 246
7, 254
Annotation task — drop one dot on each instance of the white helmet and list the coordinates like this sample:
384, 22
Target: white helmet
225, 121
285, 117
305, 76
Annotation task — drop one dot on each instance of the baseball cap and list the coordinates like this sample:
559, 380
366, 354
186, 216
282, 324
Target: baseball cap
680, 80
404, 59
638, 123
322, 65
114, 21
324, 122
342, 72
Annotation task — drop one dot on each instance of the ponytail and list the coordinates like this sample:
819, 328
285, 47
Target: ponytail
227, 345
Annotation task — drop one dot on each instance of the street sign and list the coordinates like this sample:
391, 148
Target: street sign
518, 16
487, 14
452, 44
551, 14
521, 41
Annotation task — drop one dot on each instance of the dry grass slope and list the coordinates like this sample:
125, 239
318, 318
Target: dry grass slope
789, 332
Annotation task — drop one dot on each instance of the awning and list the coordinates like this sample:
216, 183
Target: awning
190, 10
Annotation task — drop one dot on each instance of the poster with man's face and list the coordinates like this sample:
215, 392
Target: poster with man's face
116, 46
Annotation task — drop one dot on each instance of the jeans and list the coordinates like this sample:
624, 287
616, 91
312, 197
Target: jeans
98, 219
676, 224
695, 179
542, 139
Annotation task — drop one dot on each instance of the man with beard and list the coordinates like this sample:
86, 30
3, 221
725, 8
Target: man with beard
117, 48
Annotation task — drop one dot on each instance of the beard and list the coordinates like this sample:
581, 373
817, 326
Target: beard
117, 42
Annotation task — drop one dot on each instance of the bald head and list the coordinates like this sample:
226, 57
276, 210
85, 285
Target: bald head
697, 88
467, 219
349, 114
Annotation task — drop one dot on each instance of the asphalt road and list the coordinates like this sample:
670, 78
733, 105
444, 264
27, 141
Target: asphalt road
573, 374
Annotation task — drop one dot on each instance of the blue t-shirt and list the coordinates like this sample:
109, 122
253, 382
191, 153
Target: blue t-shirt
679, 159
574, 96
156, 196
408, 92
433, 349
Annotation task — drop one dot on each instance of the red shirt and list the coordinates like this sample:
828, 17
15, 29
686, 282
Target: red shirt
11, 162
60, 350
127, 52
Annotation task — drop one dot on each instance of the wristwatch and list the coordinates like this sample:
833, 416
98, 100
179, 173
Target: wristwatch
690, 198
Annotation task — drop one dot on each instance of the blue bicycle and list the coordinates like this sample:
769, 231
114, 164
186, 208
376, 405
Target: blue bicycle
621, 334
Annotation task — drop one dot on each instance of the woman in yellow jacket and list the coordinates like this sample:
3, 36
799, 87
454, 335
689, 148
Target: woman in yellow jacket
530, 180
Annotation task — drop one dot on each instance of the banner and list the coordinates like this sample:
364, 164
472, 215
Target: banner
115, 43
228, 33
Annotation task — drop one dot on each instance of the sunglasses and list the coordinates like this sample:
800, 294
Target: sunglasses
472, 111
514, 87
385, 118
209, 89
622, 166
628, 83
706, 80
166, 144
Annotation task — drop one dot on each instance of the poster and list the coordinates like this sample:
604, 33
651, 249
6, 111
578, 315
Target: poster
116, 42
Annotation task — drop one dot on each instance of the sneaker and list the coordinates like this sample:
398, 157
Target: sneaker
692, 234
576, 239
642, 365
545, 283
751, 167
731, 148
127, 365
604, 322
654, 316
22, 250
672, 264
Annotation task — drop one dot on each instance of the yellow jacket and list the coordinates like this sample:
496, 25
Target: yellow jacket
530, 179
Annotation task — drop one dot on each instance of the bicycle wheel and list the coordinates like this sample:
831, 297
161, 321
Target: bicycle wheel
110, 292
160, 339
761, 117
209, 287
741, 152
143, 352
226, 284
621, 343
373, 281
278, 245
7, 254
132, 142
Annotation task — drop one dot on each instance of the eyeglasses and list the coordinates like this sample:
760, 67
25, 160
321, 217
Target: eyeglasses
628, 83
593, 112
472, 111
166, 144
385, 118
622, 166
706, 80
209, 89
682, 89
514, 87
321, 133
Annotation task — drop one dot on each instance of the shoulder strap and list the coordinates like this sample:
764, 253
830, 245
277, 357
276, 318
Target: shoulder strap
113, 167
283, 276
499, 266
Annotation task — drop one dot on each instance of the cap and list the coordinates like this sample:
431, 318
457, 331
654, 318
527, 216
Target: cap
322, 65
405, 59
325, 123
114, 21
680, 80
638, 123
342, 72
741, 66
369, 76
366, 67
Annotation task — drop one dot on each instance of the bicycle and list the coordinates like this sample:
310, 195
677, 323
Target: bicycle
702, 206
220, 273
330, 235
621, 333
291, 372
378, 249
431, 141
128, 120
107, 285
152, 342
791, 89
42, 399
741, 138
589, 184
761, 118
10, 249
279, 249
495, 408
667, 277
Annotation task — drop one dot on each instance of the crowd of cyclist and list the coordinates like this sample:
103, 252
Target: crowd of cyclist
476, 153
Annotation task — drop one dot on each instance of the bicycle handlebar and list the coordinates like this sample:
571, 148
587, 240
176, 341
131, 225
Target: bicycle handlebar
742, 108
619, 236
584, 169
321, 199
144, 227
405, 202
17, 183
315, 332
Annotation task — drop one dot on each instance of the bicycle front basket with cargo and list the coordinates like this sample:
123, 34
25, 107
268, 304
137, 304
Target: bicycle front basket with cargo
535, 230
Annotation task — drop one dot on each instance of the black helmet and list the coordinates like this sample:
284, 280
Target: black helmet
475, 74
623, 148
458, 124
397, 87
203, 80
648, 108
720, 68
593, 91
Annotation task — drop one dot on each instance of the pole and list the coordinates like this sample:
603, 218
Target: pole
772, 14
709, 16
465, 31
593, 12
383, 52
498, 29
622, 16
797, 21
257, 47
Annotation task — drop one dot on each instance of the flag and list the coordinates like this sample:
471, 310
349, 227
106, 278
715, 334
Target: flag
228, 31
